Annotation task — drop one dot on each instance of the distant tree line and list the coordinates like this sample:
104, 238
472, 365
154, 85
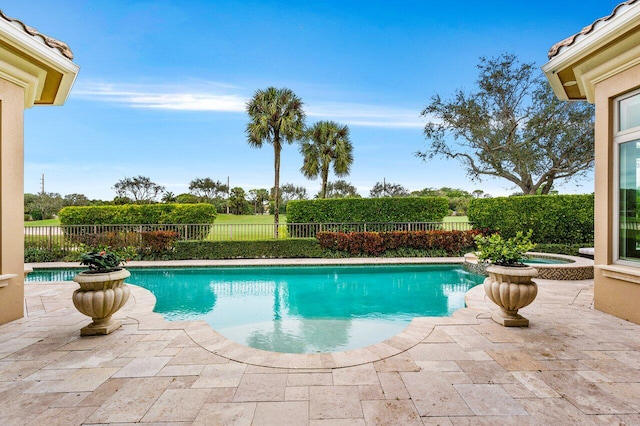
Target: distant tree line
237, 200
46, 205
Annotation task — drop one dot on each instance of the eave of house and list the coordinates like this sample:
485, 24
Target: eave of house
608, 48
45, 74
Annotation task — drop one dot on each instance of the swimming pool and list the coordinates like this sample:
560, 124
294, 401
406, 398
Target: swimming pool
302, 309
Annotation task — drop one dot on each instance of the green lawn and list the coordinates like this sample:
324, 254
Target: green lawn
455, 219
243, 226
247, 219
234, 219
48, 222
220, 219
262, 219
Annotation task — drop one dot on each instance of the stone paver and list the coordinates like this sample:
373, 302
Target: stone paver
177, 405
261, 387
489, 400
334, 402
281, 413
226, 414
573, 365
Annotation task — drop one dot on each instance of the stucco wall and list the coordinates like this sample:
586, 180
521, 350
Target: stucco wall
617, 287
11, 200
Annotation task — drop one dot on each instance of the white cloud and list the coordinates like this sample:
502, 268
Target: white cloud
365, 115
162, 97
217, 98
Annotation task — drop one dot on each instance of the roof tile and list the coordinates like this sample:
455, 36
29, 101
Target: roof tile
60, 46
555, 49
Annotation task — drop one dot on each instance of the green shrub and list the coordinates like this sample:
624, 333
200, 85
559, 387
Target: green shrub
135, 214
138, 214
189, 214
38, 255
336, 210
366, 210
286, 248
554, 219
504, 251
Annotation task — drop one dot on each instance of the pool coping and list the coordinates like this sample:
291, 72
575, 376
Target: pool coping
201, 333
261, 262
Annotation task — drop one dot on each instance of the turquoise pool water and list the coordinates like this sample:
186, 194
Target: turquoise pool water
302, 309
545, 261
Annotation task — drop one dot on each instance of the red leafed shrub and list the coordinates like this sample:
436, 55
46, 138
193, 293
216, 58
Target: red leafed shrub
343, 241
327, 240
159, 241
395, 239
376, 243
334, 240
365, 243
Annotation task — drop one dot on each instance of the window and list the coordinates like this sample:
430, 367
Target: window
627, 141
629, 113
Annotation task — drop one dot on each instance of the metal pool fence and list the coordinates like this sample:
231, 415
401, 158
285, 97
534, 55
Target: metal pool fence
68, 238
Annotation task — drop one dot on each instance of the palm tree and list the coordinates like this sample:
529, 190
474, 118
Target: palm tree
276, 116
169, 197
325, 143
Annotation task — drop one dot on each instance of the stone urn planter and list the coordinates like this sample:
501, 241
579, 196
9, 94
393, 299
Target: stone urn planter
511, 288
509, 282
100, 295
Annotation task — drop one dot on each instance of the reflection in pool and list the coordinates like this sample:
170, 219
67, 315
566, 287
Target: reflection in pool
304, 309
307, 309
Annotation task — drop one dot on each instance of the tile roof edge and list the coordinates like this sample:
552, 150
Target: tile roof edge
555, 49
58, 45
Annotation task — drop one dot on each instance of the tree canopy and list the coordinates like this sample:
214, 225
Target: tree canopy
326, 143
513, 127
259, 197
341, 189
287, 192
140, 189
43, 205
208, 190
237, 201
388, 189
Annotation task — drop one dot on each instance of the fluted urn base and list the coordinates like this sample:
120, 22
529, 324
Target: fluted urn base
510, 288
99, 297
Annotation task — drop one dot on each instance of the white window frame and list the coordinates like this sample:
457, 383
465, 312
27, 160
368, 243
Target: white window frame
619, 138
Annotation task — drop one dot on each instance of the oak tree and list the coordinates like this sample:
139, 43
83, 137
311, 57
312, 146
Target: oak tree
512, 126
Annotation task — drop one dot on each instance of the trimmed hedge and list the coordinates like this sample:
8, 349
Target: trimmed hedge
37, 255
449, 243
138, 214
287, 248
554, 219
337, 210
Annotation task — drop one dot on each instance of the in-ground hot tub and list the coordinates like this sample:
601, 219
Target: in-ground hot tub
549, 266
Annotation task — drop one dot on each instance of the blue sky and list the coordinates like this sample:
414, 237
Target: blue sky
163, 84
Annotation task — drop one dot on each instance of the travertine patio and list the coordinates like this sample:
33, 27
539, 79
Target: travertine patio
573, 365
